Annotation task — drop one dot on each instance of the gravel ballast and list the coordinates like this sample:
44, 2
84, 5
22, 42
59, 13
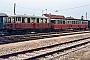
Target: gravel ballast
28, 45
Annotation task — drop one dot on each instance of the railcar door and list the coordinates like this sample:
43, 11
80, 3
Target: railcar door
1, 23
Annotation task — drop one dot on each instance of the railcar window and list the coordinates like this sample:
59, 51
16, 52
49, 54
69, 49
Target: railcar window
33, 20
5, 20
75, 22
79, 22
82, 22
85, 22
41, 20
63, 22
19, 18
45, 20
23, 20
67, 22
72, 22
60, 21
13, 20
37, 20
53, 21
9, 20
57, 21
16, 18
28, 20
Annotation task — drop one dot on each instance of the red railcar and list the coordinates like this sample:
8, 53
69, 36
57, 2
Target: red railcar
69, 24
23, 22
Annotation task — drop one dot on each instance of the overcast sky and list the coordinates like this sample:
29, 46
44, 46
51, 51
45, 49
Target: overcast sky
36, 6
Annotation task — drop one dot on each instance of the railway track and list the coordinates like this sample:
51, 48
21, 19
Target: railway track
67, 52
48, 52
20, 38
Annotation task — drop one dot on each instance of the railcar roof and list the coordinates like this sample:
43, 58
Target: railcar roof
3, 14
69, 19
77, 19
28, 16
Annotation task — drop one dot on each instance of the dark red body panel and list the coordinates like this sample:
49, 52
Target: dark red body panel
60, 26
84, 25
75, 26
16, 26
42, 25
69, 26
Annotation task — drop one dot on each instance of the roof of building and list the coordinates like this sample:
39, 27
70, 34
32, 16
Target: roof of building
54, 16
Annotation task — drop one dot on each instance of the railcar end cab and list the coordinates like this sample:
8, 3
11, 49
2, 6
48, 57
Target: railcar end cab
2, 15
